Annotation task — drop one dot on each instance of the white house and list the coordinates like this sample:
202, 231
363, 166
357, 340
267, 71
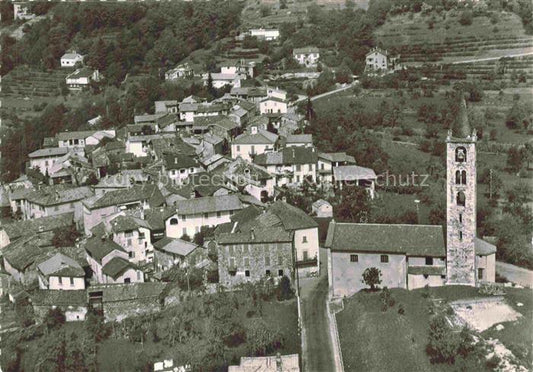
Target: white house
353, 175
380, 60
21, 11
276, 93
328, 161
193, 214
61, 272
254, 179
179, 167
307, 56
265, 34
273, 105
77, 140
81, 78
70, 59
43, 159
299, 140
257, 141
183, 71
134, 235
292, 165
220, 79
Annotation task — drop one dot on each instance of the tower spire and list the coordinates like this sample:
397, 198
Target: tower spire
461, 126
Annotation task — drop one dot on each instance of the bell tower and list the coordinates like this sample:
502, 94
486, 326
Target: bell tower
461, 202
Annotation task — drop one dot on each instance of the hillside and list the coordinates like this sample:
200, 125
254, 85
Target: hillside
442, 38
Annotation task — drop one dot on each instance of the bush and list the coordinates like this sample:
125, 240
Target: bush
466, 18
401, 309
372, 277
285, 291
55, 318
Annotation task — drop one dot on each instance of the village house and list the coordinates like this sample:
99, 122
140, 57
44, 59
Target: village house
77, 140
190, 110
70, 59
134, 235
221, 126
110, 263
253, 179
254, 255
251, 94
291, 165
56, 200
380, 60
61, 272
139, 145
354, 175
72, 303
298, 140
249, 144
177, 168
43, 159
71, 168
170, 107
81, 78
221, 79
193, 214
307, 56
322, 209
173, 252
273, 105
271, 34
100, 206
328, 161
183, 71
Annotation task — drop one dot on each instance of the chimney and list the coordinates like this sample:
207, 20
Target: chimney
176, 160
279, 367
41, 228
252, 233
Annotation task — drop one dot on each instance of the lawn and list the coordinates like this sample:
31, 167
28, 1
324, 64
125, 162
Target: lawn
372, 340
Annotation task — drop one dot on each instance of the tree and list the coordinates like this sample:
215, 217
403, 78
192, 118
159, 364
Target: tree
354, 205
515, 159
372, 277
55, 318
285, 291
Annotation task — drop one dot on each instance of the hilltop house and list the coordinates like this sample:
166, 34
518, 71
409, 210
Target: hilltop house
110, 262
291, 165
307, 56
264, 34
183, 71
193, 214
43, 159
61, 272
256, 141
254, 255
81, 78
380, 60
70, 59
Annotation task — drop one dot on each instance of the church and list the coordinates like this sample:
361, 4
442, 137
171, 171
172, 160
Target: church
413, 256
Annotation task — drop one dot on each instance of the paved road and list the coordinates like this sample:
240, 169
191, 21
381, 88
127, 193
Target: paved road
515, 274
492, 58
318, 356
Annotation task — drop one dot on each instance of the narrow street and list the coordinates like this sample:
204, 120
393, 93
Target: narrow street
515, 274
318, 356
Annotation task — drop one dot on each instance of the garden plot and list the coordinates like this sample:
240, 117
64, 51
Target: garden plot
481, 314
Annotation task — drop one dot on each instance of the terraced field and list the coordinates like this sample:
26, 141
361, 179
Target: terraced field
31, 82
448, 41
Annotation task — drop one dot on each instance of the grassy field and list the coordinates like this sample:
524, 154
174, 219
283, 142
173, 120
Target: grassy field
372, 340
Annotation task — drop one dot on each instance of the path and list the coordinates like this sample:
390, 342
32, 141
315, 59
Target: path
318, 356
348, 86
492, 58
515, 274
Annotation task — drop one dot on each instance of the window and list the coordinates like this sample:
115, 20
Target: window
443, 276
56, 208
72, 282
460, 218
280, 272
128, 242
184, 218
461, 199
131, 254
238, 148
304, 239
232, 272
138, 275
426, 276
429, 261
246, 261
354, 258
460, 154
219, 214
480, 274
267, 272
128, 234
306, 255
247, 273
182, 171
60, 280
460, 235
127, 280
384, 258
173, 221
206, 215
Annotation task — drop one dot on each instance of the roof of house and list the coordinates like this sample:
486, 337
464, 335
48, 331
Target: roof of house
291, 217
48, 152
61, 265
321, 203
52, 297
484, 248
259, 235
352, 173
148, 118
177, 161
59, 195
262, 137
127, 223
337, 157
299, 138
209, 204
27, 250
64, 136
116, 267
377, 50
175, 246
99, 247
275, 99
28, 227
412, 240
71, 55
305, 50
81, 73
240, 170
288, 156
148, 192
129, 292
156, 217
